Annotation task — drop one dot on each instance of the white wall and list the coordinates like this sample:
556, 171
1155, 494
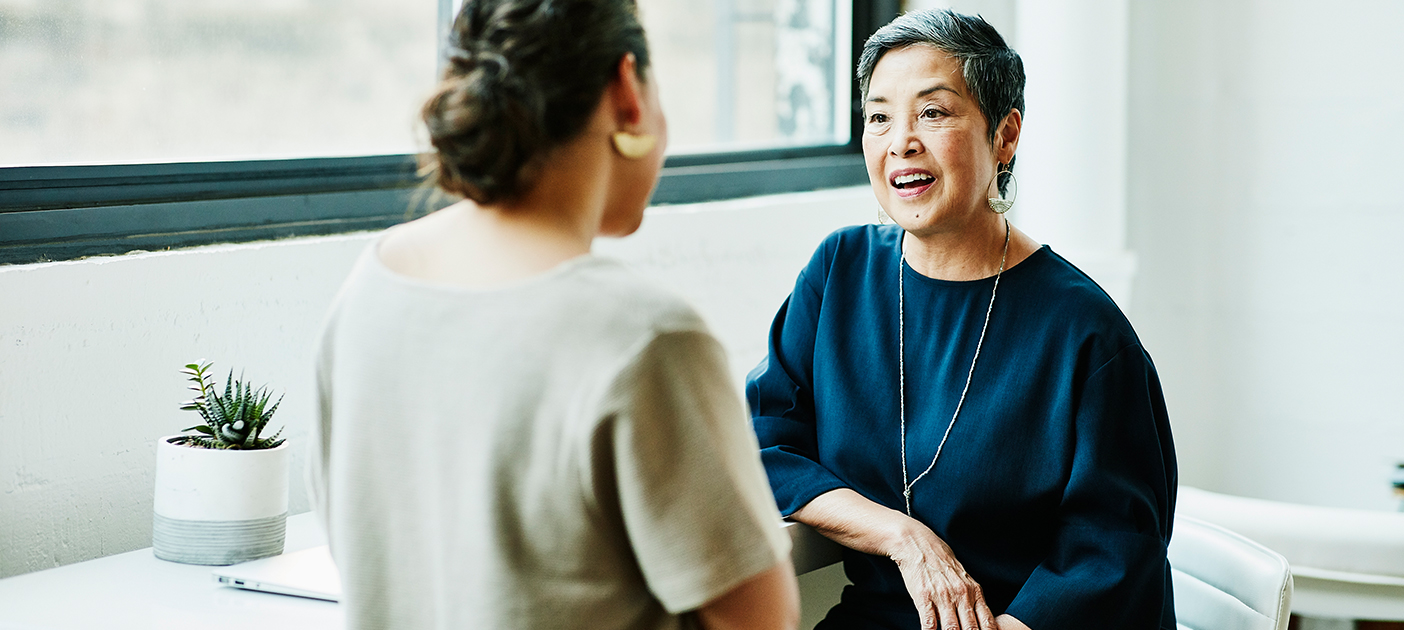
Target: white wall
90, 350
1263, 162
89, 359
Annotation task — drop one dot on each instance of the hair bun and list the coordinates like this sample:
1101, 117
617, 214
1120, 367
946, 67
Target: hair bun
483, 125
523, 76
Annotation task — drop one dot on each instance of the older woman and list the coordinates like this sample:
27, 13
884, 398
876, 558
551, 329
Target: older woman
963, 409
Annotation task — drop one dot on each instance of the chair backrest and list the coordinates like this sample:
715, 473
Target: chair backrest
1224, 581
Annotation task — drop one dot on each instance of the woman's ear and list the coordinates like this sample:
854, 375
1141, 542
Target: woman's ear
1006, 140
627, 94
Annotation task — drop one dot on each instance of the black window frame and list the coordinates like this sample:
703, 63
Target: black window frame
53, 213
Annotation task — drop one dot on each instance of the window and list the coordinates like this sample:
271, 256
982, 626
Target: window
162, 81
752, 75
144, 124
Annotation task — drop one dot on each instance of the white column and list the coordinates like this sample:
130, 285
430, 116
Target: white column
1071, 165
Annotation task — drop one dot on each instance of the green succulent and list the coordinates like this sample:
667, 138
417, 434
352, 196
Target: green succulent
233, 420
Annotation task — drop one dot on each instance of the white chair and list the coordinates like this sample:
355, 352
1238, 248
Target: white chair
1224, 581
1346, 564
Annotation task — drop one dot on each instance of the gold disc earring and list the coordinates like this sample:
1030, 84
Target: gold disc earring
633, 146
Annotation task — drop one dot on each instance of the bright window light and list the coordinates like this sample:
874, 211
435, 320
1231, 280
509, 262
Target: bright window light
141, 81
737, 75
152, 81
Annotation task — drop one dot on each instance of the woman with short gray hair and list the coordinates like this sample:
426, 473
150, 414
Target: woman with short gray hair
963, 409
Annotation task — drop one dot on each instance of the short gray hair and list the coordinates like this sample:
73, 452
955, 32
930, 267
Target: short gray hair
994, 73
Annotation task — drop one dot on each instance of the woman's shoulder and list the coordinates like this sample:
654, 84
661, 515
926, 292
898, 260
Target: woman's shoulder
626, 299
1070, 298
861, 238
589, 297
850, 243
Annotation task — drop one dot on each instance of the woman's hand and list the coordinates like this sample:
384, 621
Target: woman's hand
945, 595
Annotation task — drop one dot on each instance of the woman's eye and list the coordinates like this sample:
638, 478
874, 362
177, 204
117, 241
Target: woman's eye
931, 112
877, 118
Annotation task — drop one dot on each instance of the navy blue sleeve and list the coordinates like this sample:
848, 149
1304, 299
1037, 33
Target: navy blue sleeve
1107, 567
781, 395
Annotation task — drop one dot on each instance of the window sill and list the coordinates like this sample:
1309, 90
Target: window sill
48, 217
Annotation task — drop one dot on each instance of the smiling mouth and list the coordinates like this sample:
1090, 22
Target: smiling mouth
910, 183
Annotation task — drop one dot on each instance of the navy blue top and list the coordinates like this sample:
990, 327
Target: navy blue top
1056, 488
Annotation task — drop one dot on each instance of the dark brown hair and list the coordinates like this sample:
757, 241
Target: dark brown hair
523, 77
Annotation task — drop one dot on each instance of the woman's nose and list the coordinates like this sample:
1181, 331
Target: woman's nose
905, 143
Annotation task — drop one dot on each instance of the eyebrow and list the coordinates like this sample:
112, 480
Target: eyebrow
936, 88
927, 92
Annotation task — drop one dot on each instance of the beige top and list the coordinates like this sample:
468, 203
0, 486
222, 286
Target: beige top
564, 452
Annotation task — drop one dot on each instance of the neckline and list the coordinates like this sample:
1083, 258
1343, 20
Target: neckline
563, 268
1038, 254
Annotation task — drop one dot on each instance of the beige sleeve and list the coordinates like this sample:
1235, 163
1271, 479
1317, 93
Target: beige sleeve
693, 496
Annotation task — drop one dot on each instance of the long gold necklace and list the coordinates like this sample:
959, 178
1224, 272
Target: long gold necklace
902, 368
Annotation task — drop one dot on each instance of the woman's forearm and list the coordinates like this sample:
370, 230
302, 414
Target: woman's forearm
856, 522
939, 586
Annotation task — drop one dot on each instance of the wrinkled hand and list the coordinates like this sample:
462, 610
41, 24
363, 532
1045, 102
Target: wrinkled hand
946, 597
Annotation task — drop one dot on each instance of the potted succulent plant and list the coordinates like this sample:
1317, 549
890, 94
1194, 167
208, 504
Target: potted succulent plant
222, 486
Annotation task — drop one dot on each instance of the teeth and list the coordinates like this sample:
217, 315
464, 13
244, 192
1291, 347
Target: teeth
907, 179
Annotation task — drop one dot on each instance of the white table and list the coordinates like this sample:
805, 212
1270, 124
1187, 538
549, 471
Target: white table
135, 590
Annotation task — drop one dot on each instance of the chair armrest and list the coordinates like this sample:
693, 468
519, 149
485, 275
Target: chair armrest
1337, 540
810, 550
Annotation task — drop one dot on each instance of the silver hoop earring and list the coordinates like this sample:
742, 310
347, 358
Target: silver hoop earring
999, 204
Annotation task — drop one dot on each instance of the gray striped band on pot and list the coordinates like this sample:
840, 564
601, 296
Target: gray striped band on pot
218, 542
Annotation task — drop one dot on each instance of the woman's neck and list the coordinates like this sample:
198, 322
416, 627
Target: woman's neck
968, 252
481, 246
972, 252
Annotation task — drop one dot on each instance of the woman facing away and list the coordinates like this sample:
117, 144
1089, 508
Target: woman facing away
963, 409
512, 432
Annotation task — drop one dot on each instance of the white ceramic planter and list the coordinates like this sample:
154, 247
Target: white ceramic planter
219, 507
